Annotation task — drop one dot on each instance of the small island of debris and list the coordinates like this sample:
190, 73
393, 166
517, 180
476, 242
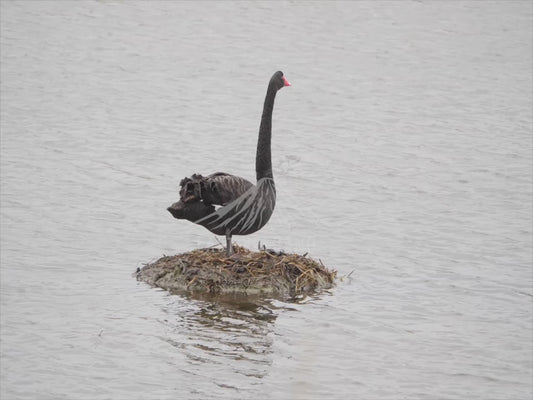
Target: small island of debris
262, 272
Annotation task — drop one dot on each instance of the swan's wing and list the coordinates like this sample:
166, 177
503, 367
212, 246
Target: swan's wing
218, 188
246, 214
243, 206
221, 188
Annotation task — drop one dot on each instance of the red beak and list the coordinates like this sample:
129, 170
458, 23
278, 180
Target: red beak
287, 83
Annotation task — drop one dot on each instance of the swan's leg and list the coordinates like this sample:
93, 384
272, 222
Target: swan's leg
229, 247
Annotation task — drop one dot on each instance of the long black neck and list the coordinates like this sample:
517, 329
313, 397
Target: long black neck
263, 159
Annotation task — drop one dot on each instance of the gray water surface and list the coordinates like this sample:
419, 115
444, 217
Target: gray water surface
401, 152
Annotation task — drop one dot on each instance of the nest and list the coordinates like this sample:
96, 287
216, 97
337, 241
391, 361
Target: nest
263, 272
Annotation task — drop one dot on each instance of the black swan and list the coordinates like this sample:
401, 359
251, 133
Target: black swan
246, 208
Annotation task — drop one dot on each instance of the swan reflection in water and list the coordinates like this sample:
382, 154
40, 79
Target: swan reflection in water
231, 334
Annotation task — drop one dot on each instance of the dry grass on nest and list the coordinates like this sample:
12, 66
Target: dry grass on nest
245, 271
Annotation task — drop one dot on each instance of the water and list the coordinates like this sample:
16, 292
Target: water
402, 152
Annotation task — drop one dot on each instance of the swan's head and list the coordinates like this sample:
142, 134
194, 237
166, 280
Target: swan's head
279, 80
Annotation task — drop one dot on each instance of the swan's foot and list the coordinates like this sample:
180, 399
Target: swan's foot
262, 247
